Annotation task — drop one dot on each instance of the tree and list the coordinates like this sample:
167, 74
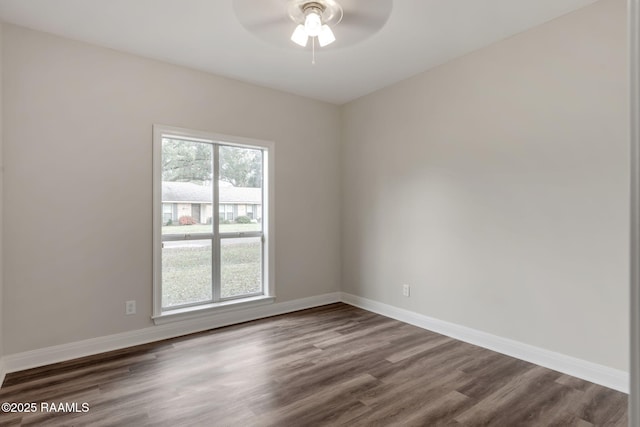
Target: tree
191, 161
241, 167
186, 161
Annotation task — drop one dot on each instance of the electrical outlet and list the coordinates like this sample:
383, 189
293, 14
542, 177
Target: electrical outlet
406, 290
130, 307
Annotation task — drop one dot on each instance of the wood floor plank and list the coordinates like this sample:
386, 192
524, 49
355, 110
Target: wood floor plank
445, 407
335, 365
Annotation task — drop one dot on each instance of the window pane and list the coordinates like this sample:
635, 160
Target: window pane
241, 266
187, 174
186, 272
240, 185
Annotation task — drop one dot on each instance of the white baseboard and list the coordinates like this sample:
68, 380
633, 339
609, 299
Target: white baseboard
59, 353
599, 374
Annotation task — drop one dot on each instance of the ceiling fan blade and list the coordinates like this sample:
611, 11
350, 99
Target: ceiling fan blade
261, 14
363, 20
271, 23
360, 20
270, 20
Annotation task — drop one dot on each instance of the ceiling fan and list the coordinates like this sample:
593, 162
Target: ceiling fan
293, 23
315, 19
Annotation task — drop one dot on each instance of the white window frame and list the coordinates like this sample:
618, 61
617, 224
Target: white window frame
268, 224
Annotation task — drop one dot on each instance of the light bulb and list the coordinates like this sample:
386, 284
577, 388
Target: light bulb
299, 36
312, 24
326, 36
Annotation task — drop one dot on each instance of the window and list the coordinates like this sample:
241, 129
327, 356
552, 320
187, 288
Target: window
167, 213
226, 213
204, 261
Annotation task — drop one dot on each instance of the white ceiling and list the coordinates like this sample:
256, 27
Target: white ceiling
206, 35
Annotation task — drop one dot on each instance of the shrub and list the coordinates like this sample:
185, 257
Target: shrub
187, 220
169, 222
243, 220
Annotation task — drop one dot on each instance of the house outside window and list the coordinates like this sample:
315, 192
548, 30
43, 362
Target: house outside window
202, 260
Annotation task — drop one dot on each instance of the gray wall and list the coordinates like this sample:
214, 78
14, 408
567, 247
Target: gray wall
77, 218
1, 205
496, 185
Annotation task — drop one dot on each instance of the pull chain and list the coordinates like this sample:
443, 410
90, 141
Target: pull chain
313, 51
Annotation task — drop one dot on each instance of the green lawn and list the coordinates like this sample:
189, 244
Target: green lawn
186, 271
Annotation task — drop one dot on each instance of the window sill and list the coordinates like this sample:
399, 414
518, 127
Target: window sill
210, 309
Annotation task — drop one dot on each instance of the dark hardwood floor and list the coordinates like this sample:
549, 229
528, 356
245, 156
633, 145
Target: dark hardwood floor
333, 365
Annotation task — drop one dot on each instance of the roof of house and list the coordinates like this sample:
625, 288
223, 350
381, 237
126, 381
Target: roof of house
188, 192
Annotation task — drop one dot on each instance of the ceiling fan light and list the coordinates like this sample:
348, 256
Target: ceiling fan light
299, 36
312, 23
326, 36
